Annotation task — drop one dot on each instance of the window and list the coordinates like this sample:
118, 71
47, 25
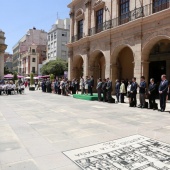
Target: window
33, 59
55, 35
33, 69
51, 45
64, 43
124, 11
51, 54
33, 50
55, 44
159, 5
64, 34
48, 55
51, 37
99, 20
55, 53
63, 53
80, 29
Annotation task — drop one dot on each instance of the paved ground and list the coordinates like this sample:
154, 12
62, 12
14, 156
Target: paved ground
36, 128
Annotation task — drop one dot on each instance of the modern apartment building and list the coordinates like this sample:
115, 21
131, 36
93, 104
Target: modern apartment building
119, 39
58, 37
3, 47
32, 37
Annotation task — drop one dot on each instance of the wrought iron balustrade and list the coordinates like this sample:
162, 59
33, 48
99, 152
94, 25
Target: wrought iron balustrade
137, 13
77, 37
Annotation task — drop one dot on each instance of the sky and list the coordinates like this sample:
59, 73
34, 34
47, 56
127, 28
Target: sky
18, 16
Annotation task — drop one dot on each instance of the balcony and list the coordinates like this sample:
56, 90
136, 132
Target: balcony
160, 5
77, 37
127, 17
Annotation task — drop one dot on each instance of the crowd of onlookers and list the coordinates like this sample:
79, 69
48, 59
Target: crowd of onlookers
9, 87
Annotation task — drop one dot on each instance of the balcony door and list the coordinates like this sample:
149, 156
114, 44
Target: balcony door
80, 29
124, 11
99, 20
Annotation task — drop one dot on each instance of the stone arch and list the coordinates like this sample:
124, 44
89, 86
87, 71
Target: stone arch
78, 66
149, 45
97, 64
122, 62
155, 63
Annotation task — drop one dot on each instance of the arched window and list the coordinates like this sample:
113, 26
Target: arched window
159, 5
124, 11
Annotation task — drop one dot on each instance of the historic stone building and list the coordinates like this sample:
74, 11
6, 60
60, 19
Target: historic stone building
119, 39
2, 51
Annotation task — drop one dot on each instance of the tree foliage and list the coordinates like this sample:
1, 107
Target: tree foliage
55, 67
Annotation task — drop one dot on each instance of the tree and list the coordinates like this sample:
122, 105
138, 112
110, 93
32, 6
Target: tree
15, 76
56, 67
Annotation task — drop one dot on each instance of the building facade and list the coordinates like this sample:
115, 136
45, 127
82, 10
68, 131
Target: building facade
32, 59
8, 61
2, 51
119, 39
32, 37
58, 37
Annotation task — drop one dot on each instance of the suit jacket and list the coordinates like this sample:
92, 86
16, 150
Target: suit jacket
134, 87
163, 86
99, 86
117, 88
104, 85
109, 85
152, 89
142, 87
91, 82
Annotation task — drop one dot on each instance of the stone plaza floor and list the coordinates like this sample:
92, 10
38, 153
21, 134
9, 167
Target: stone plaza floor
36, 128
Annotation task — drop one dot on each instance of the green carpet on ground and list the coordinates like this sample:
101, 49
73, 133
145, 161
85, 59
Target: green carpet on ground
86, 97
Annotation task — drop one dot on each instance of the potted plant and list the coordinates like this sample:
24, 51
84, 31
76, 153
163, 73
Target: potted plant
32, 86
51, 77
15, 78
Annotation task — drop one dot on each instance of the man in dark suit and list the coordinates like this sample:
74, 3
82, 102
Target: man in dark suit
117, 90
163, 88
99, 89
109, 89
142, 92
104, 90
152, 94
91, 85
133, 91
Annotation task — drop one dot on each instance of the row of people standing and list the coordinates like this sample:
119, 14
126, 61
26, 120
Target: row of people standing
144, 92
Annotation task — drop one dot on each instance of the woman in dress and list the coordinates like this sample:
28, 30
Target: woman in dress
128, 91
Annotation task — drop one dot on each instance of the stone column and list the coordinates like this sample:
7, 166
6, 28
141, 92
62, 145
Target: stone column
114, 74
107, 64
71, 24
137, 62
167, 69
2, 51
70, 64
145, 70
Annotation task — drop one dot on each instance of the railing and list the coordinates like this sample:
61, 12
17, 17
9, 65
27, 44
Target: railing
77, 37
127, 17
